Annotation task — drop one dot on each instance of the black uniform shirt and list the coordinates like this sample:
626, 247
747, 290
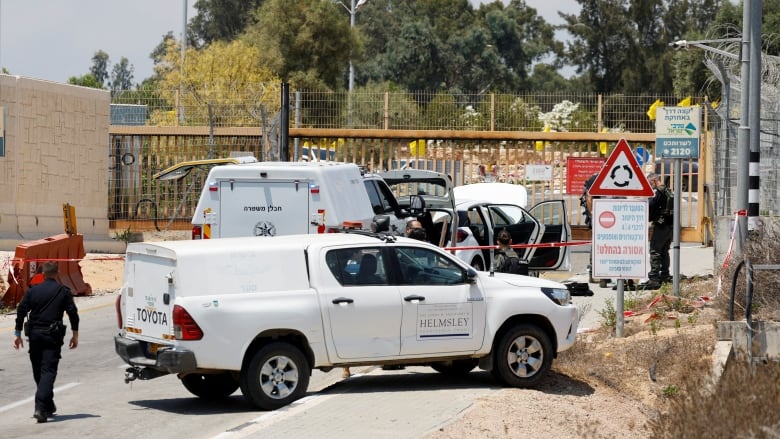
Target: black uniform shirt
35, 300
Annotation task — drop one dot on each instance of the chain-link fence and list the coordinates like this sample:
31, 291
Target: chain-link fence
258, 105
725, 126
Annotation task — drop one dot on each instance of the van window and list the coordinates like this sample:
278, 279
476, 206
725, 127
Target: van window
379, 199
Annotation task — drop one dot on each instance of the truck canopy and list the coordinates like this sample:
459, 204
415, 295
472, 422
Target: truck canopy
282, 198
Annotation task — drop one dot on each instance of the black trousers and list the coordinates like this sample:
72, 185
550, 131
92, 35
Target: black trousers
659, 252
45, 353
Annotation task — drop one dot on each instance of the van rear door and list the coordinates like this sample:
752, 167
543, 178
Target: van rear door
263, 208
149, 297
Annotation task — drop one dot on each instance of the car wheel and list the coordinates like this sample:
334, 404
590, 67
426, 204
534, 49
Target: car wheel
210, 386
455, 367
477, 264
277, 375
523, 356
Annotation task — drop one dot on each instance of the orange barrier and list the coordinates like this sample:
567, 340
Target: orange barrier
67, 249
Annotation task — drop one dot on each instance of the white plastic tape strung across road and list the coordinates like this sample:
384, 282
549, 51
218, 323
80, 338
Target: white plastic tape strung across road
32, 398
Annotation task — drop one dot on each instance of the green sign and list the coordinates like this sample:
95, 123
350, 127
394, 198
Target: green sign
677, 132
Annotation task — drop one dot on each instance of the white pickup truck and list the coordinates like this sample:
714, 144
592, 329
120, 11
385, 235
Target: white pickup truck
261, 313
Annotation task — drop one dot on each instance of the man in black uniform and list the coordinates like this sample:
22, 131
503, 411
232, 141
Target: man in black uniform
46, 302
662, 219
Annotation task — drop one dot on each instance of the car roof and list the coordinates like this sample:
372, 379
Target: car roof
497, 193
252, 243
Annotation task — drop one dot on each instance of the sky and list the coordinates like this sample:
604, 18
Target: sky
56, 39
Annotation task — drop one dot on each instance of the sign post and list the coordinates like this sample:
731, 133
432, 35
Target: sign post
677, 137
619, 244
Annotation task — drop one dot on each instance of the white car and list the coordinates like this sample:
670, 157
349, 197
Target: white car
479, 221
484, 209
260, 313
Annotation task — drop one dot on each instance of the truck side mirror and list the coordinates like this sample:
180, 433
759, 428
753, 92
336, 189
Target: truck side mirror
380, 223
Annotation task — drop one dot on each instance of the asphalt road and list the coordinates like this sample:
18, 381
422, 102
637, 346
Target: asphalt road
94, 401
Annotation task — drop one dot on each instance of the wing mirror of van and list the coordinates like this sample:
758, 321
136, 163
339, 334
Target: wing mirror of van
380, 223
416, 205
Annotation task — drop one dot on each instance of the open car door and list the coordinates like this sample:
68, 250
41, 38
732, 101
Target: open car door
552, 214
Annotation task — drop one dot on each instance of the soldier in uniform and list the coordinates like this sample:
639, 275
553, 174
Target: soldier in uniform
662, 219
46, 303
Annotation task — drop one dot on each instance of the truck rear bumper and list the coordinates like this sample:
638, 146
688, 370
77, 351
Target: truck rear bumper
168, 360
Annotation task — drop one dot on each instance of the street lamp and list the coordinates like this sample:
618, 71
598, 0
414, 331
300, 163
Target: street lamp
352, 10
748, 140
702, 44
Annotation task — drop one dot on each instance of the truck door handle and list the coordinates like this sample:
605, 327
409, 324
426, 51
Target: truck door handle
340, 300
414, 297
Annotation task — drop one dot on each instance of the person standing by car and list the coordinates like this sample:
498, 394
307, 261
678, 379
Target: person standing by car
415, 230
661, 218
506, 259
45, 303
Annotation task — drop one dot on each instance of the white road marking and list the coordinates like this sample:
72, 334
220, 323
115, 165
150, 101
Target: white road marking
32, 398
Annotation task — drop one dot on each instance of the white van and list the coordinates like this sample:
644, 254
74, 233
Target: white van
281, 198
244, 197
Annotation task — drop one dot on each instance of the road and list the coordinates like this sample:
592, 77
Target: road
94, 401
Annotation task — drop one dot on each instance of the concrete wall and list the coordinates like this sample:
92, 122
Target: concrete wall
56, 140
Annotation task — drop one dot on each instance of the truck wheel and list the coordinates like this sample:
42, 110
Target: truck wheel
477, 264
523, 356
277, 375
210, 386
455, 367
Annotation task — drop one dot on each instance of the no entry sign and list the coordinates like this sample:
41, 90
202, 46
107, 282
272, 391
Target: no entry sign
620, 238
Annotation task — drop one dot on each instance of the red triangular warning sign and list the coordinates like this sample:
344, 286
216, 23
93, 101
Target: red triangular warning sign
621, 175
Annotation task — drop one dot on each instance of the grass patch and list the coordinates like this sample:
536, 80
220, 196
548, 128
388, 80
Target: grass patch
665, 361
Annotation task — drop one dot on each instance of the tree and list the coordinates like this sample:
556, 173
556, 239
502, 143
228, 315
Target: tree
601, 42
99, 69
87, 80
610, 36
222, 20
221, 84
306, 42
121, 76
158, 53
447, 45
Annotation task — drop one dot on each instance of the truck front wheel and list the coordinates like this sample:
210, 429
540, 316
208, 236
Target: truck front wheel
210, 386
523, 356
277, 375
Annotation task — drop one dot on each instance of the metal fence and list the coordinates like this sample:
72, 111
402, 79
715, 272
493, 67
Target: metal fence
487, 138
392, 110
725, 126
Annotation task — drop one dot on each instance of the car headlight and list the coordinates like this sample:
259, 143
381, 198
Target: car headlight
560, 296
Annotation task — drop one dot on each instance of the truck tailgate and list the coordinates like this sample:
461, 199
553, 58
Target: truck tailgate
149, 297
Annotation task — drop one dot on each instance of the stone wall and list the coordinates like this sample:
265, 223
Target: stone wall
56, 140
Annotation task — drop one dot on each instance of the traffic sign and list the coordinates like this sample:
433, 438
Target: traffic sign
619, 238
642, 155
677, 132
621, 175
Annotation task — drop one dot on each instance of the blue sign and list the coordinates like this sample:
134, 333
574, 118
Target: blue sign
642, 155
